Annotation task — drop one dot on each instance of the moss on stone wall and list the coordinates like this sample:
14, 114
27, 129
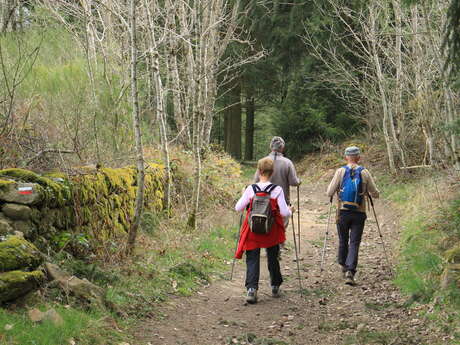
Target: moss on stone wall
55, 194
14, 284
98, 204
17, 253
5, 183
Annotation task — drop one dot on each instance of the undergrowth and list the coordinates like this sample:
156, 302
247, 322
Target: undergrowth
82, 327
172, 268
430, 220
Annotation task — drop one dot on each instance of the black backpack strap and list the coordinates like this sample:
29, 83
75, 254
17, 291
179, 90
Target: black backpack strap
270, 188
256, 188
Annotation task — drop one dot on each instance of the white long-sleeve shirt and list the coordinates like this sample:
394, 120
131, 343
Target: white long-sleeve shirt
277, 194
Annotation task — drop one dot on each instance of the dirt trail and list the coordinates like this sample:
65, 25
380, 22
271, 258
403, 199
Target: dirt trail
327, 313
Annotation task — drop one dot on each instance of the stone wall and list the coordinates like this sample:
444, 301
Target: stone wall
96, 206
19, 273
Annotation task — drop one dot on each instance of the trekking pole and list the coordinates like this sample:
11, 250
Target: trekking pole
380, 234
326, 235
298, 217
296, 254
236, 247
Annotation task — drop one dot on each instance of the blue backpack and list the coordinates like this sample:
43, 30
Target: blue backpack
351, 189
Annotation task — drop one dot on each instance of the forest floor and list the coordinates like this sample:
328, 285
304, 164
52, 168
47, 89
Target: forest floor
328, 312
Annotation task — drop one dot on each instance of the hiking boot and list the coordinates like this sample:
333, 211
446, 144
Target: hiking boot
349, 278
275, 291
343, 270
251, 297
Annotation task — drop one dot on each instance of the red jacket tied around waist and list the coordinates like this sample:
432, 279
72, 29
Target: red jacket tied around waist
249, 240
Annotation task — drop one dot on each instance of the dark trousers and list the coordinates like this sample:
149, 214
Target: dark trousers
350, 229
253, 267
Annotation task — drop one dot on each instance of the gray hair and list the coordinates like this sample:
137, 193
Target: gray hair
277, 144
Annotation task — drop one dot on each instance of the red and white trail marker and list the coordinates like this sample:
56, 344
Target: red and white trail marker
25, 190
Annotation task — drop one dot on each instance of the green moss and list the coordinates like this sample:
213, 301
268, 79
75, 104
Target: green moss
14, 284
5, 183
16, 253
121, 180
20, 276
56, 194
101, 201
56, 174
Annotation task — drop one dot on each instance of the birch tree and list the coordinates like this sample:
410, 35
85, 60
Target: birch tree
137, 130
399, 71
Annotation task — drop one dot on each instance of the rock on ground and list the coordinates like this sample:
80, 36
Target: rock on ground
17, 253
15, 284
81, 288
52, 315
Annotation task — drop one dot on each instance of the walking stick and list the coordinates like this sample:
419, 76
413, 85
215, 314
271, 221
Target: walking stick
298, 218
236, 247
380, 234
296, 254
326, 235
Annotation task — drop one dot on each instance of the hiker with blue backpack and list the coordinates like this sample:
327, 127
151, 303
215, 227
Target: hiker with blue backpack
263, 227
352, 183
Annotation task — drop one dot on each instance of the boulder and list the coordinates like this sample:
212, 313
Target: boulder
27, 228
81, 288
17, 211
5, 226
15, 284
35, 315
51, 315
17, 253
21, 193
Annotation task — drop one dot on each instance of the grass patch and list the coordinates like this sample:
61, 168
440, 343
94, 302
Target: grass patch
430, 220
421, 263
371, 337
176, 268
83, 327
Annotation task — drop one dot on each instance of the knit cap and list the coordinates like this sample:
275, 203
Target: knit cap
352, 151
277, 144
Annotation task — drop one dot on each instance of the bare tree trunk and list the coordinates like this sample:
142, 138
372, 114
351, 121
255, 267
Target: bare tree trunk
137, 132
160, 103
249, 135
399, 87
8, 14
233, 120
381, 87
451, 111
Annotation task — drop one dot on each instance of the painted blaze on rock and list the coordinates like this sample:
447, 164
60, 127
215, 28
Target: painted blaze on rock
21, 193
